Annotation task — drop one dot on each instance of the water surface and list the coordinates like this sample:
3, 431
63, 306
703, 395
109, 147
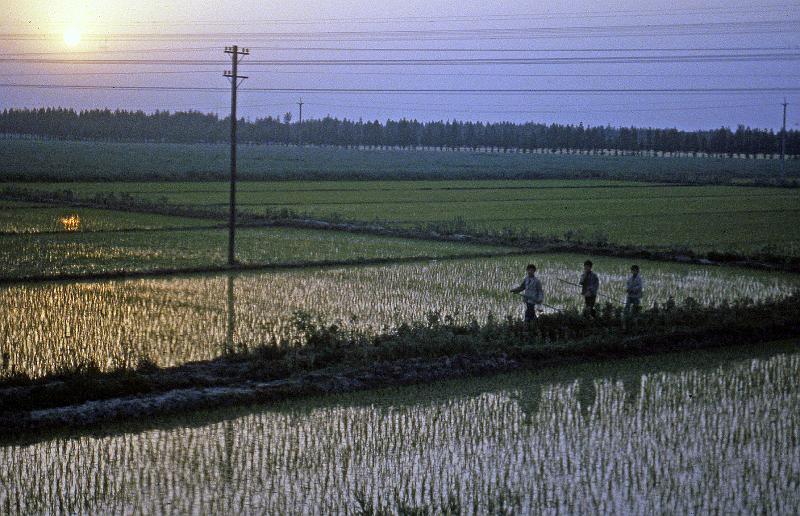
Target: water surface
678, 434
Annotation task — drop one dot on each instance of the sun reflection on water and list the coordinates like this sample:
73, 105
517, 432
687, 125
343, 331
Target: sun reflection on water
70, 223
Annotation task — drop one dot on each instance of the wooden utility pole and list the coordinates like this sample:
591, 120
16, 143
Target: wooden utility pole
234, 77
300, 124
783, 141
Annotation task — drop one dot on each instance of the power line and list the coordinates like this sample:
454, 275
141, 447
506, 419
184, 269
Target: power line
501, 91
544, 111
143, 72
420, 74
486, 108
418, 49
531, 50
435, 61
117, 51
733, 27
728, 10
527, 75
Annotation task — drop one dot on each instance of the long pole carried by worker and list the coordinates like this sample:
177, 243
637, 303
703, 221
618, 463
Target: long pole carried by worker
546, 305
599, 294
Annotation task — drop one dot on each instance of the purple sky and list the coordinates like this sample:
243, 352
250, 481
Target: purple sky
194, 30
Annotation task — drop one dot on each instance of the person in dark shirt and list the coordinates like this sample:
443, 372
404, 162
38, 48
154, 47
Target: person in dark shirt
590, 284
633, 289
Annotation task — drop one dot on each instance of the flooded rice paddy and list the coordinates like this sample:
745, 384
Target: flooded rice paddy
695, 433
45, 327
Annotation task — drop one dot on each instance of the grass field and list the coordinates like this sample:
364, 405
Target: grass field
87, 253
95, 161
700, 218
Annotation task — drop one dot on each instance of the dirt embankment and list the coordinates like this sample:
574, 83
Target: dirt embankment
221, 392
420, 355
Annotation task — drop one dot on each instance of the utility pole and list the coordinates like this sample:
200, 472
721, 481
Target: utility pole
234, 77
300, 124
783, 141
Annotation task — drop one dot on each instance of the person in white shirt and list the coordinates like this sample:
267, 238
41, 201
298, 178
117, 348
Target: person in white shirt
532, 293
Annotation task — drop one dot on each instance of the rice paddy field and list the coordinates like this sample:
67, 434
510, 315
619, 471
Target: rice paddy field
27, 255
18, 218
49, 326
701, 218
689, 433
698, 433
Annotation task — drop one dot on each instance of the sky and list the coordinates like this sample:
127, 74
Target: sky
473, 60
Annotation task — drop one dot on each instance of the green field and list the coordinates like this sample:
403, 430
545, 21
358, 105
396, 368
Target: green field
700, 218
96, 161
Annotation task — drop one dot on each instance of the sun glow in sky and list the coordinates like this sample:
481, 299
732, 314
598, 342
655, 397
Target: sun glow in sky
72, 36
588, 48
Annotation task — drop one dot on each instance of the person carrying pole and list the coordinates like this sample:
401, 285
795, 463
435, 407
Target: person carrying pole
633, 289
589, 284
532, 293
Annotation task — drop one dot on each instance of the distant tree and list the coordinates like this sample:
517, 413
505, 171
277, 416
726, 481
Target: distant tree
196, 127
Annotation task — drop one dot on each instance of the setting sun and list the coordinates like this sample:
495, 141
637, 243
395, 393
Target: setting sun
72, 37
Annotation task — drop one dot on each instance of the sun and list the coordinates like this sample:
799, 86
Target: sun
72, 37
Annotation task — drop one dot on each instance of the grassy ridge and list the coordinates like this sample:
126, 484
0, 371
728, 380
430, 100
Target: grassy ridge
95, 161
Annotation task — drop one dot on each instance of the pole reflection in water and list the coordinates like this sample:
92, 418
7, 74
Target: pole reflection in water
231, 317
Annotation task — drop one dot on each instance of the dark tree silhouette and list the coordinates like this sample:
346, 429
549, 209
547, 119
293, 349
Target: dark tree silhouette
196, 127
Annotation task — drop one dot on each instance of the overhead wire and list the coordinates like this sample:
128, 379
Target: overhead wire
458, 91
560, 15
634, 59
731, 27
551, 110
410, 49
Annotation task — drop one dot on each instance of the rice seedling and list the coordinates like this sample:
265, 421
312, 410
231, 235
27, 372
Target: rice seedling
132, 251
47, 327
685, 441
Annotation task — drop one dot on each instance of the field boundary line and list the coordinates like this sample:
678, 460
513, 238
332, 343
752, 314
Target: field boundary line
246, 267
104, 231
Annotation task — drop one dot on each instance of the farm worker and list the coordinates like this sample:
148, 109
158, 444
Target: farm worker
532, 292
633, 289
590, 284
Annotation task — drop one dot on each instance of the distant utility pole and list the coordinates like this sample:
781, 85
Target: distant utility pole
783, 141
234, 77
300, 124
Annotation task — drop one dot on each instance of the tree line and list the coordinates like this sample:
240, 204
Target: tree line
197, 127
